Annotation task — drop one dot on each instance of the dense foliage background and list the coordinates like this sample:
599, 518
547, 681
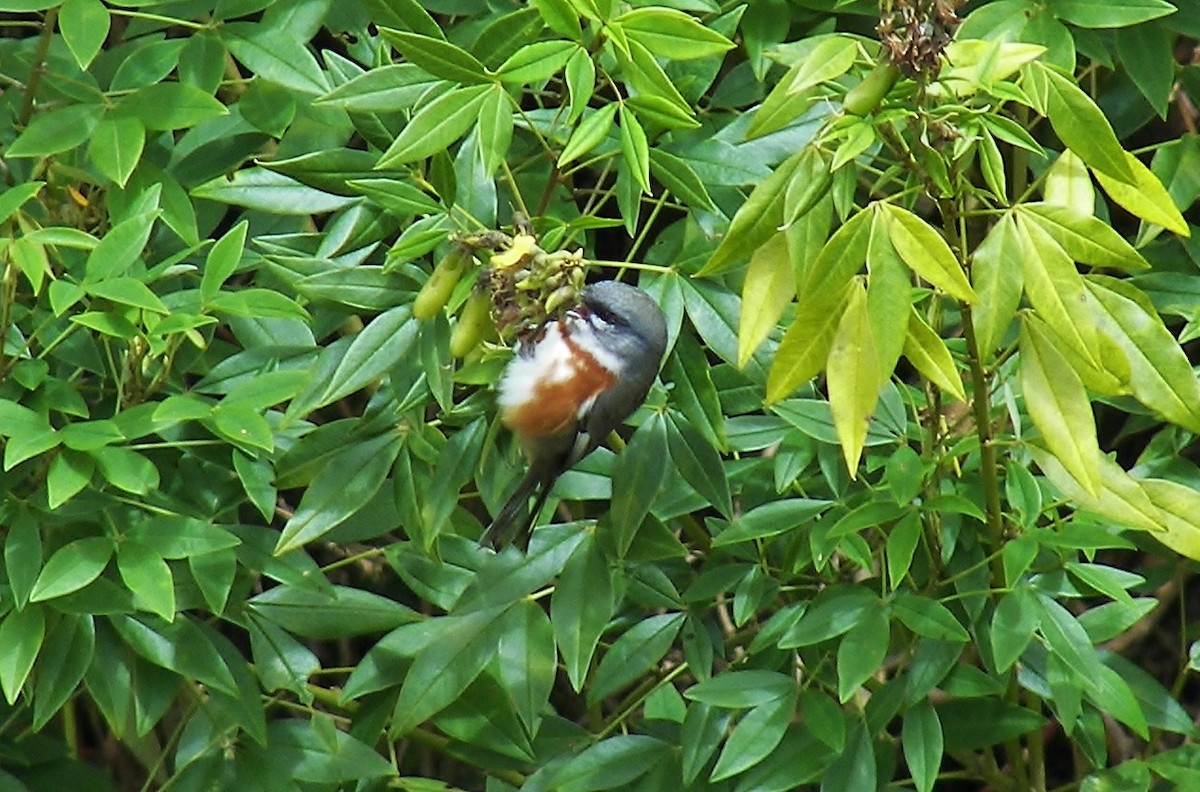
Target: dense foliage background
911, 507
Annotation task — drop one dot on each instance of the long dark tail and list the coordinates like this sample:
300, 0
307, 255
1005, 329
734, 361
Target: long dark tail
513, 521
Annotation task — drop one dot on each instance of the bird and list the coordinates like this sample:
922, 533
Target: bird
575, 380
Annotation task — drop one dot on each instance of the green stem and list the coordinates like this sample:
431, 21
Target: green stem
38, 67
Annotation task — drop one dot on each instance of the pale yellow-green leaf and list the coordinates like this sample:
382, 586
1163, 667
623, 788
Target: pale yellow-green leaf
1056, 291
842, 256
996, 276
830, 58
804, 350
808, 185
1161, 376
926, 350
853, 377
976, 64
806, 237
926, 253
1058, 405
1178, 507
1120, 497
767, 291
991, 165
1067, 184
1084, 237
858, 137
889, 297
1144, 196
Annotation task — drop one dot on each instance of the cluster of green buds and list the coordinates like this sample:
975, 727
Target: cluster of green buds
520, 287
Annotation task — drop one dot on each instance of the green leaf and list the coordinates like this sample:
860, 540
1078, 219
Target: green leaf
1085, 238
22, 558
861, 652
1069, 641
436, 126
280, 661
969, 724
926, 252
1079, 123
1160, 375
527, 660
259, 188
126, 469
126, 291
495, 129
274, 55
805, 347
1144, 196
610, 763
637, 479
926, 350
1105, 14
928, 617
580, 608
901, 545
756, 220
69, 474
345, 485
1146, 53
438, 57
699, 464
769, 286
680, 178
84, 26
72, 567
560, 17
171, 105
68, 652
222, 260
14, 197
853, 377
443, 669
671, 34
21, 634
148, 578
116, 145
770, 519
1058, 405
634, 654
537, 62
1013, 624
921, 736
591, 131
371, 353
388, 88
581, 80
634, 147
181, 646
341, 612
755, 736
57, 130
832, 612
742, 689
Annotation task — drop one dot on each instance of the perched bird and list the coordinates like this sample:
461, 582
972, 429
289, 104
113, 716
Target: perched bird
571, 384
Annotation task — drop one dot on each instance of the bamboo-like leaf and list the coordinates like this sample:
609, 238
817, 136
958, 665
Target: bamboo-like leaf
1068, 185
756, 220
1085, 238
853, 376
1144, 196
926, 350
842, 256
1056, 290
1059, 406
1161, 376
926, 252
1177, 507
889, 297
804, 350
1079, 123
996, 272
767, 291
1119, 498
